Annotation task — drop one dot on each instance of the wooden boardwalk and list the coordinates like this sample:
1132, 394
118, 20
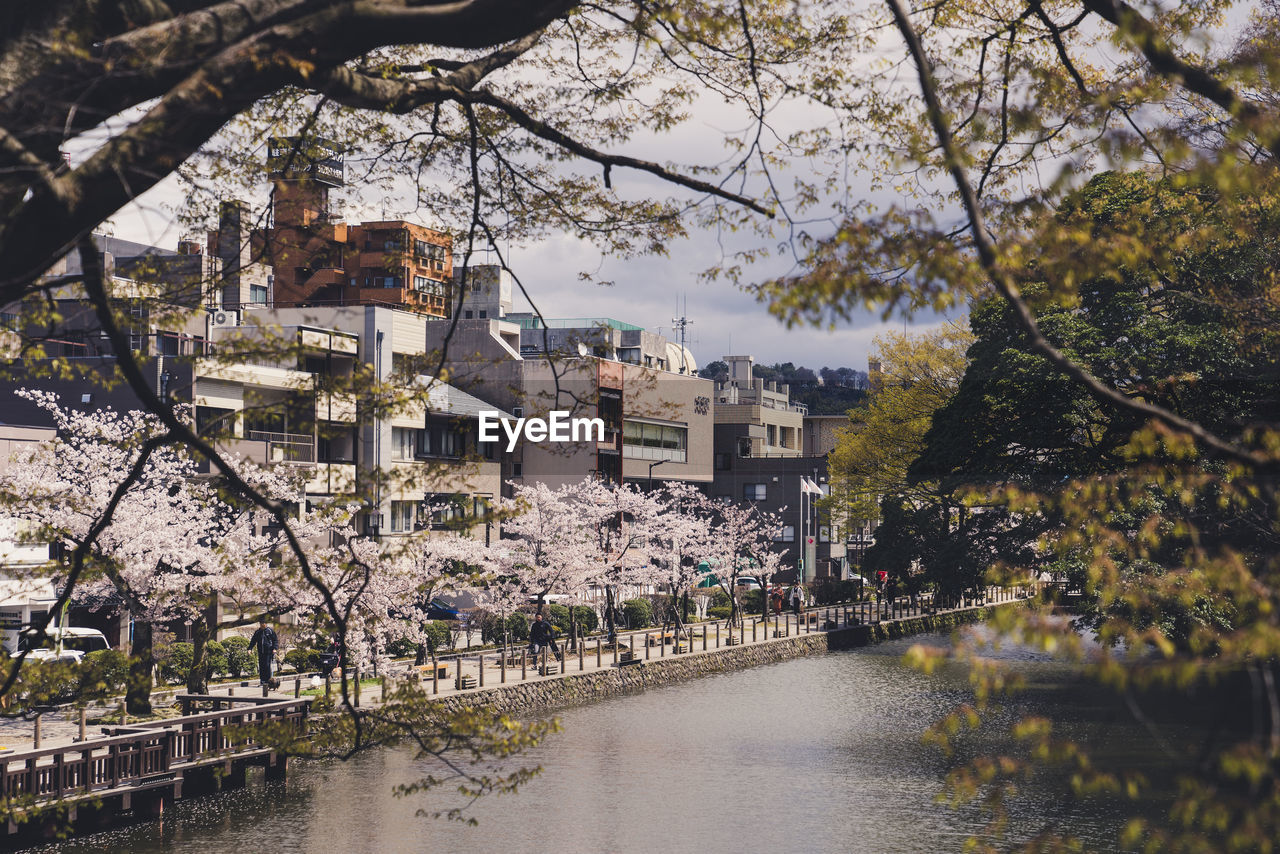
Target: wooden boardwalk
140, 768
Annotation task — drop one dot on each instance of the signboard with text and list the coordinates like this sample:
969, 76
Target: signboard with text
291, 157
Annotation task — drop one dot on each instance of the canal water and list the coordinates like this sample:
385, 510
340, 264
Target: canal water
820, 754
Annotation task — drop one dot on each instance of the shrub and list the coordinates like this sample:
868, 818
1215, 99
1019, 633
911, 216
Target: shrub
828, 591
719, 599
438, 635
401, 648
302, 659
518, 625
753, 602
492, 627
106, 672
639, 613
588, 620
240, 659
559, 616
176, 663
216, 654
718, 612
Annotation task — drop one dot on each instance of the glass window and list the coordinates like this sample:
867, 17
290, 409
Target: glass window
785, 534
753, 491
403, 516
258, 294
403, 443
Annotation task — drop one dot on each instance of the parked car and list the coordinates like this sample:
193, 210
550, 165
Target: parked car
747, 582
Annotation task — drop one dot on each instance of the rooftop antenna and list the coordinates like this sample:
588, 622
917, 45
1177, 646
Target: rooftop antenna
681, 324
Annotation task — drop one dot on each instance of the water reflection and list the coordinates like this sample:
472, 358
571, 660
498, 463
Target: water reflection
820, 754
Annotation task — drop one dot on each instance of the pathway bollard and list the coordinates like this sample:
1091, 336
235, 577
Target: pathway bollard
742, 633
647, 646
581, 647
297, 687
357, 697
502, 667
662, 642
435, 675
35, 733
124, 712
717, 635
631, 645
598, 645
481, 669
266, 690
753, 630
83, 715
704, 638
524, 671
616, 642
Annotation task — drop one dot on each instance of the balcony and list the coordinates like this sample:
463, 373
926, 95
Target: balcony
286, 447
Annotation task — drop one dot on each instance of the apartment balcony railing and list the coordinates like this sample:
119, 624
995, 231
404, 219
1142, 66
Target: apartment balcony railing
285, 447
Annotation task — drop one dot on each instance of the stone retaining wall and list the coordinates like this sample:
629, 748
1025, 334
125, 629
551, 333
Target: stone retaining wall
573, 689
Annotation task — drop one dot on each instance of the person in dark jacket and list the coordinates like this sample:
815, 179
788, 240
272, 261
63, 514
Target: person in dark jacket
264, 640
541, 635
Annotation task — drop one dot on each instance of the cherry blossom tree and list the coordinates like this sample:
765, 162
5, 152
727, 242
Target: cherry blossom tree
172, 545
741, 537
619, 520
681, 533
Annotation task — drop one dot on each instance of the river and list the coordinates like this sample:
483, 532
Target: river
819, 754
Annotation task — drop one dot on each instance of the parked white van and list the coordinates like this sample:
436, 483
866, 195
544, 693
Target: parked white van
76, 642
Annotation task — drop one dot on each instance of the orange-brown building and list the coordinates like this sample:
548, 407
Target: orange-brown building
317, 261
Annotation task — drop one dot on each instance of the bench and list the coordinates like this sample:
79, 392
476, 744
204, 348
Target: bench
661, 638
442, 670
466, 681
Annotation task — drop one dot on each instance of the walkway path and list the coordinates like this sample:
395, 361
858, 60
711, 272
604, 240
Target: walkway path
487, 670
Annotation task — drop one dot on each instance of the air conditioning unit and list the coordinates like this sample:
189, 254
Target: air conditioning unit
224, 318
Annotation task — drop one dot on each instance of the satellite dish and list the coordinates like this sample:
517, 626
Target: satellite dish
582, 349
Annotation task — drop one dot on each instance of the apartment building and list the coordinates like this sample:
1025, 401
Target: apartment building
313, 258
657, 414
755, 417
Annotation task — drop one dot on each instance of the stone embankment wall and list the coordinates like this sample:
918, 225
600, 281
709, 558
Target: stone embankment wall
574, 689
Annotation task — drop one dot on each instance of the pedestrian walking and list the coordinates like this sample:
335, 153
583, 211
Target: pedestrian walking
266, 643
797, 599
541, 635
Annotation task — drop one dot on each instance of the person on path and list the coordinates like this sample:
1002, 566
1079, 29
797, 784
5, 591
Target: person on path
541, 635
797, 599
266, 642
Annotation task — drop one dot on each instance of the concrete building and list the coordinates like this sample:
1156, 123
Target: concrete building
754, 417
657, 413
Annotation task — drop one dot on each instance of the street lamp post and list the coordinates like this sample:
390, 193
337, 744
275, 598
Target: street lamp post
652, 466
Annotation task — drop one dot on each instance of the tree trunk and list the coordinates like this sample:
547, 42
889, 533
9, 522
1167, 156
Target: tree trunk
142, 664
421, 657
573, 630
610, 625
198, 675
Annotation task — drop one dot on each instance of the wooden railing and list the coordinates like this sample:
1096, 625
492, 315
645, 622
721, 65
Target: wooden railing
133, 755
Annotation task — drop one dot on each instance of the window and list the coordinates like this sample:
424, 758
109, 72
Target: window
723, 461
484, 314
213, 420
517, 470
785, 534
404, 441
753, 492
646, 441
258, 294
466, 315
420, 282
404, 514
447, 510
